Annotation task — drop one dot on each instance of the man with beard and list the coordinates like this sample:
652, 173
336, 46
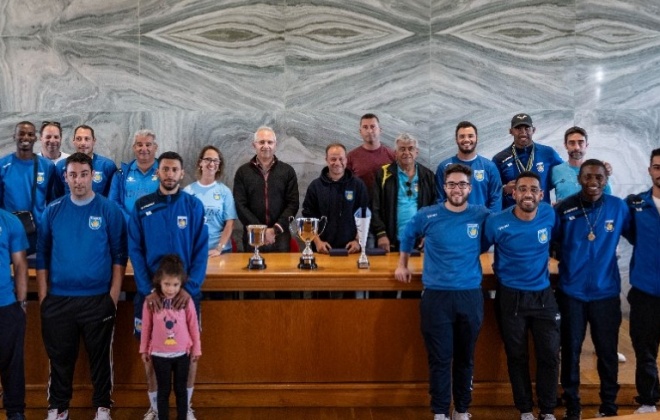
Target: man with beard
168, 221
524, 155
486, 181
525, 301
451, 307
26, 179
565, 175
51, 141
336, 194
589, 226
402, 188
644, 296
266, 193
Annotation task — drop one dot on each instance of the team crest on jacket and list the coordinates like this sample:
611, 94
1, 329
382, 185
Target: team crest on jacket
216, 195
98, 177
40, 178
473, 230
539, 167
182, 221
543, 235
349, 195
154, 177
478, 175
95, 222
609, 225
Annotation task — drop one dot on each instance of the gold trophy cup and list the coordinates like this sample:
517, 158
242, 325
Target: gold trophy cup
307, 228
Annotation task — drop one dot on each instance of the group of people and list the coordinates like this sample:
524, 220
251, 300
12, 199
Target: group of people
140, 211
583, 229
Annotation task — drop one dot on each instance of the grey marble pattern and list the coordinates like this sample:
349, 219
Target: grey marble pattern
209, 71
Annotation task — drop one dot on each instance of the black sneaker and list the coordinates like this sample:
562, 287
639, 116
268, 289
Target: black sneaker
16, 416
572, 415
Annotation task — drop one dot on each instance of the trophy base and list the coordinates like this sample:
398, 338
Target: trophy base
307, 264
257, 264
363, 264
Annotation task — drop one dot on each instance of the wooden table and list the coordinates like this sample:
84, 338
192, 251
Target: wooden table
300, 352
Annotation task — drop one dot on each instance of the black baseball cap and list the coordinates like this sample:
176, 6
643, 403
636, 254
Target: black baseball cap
521, 119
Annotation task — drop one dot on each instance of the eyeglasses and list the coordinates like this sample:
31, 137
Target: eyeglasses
533, 190
55, 123
409, 192
460, 185
211, 160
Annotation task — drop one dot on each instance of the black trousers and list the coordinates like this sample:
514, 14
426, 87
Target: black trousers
12, 367
645, 337
165, 368
64, 320
604, 319
522, 312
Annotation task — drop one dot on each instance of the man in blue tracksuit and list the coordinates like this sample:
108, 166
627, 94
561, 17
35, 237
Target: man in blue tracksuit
104, 168
590, 224
486, 181
451, 308
13, 304
524, 155
168, 221
525, 300
23, 172
137, 178
79, 286
644, 296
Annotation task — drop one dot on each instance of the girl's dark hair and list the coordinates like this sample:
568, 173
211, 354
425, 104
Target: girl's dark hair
170, 265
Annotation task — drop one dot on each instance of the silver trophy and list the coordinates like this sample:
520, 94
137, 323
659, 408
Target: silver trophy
307, 228
362, 222
256, 238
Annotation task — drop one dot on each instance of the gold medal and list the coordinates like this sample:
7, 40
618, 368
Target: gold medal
591, 236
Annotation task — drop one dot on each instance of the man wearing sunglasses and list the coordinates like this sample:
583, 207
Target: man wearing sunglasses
401, 188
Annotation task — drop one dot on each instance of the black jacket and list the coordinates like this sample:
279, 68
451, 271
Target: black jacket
384, 205
338, 201
267, 202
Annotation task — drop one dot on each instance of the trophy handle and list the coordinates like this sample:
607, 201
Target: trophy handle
325, 224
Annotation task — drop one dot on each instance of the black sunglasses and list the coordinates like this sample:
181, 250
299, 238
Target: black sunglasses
55, 123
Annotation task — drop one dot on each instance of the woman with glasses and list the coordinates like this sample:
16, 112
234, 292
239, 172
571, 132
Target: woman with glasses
217, 199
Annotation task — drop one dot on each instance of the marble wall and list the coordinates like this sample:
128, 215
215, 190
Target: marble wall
212, 71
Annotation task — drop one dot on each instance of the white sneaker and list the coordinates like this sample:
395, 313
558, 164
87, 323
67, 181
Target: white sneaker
645, 409
547, 417
460, 416
102, 414
527, 416
151, 415
622, 358
191, 415
54, 415
440, 417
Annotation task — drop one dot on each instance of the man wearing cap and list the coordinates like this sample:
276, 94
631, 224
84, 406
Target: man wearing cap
524, 155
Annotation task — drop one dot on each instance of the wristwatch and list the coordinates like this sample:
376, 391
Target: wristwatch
23, 304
